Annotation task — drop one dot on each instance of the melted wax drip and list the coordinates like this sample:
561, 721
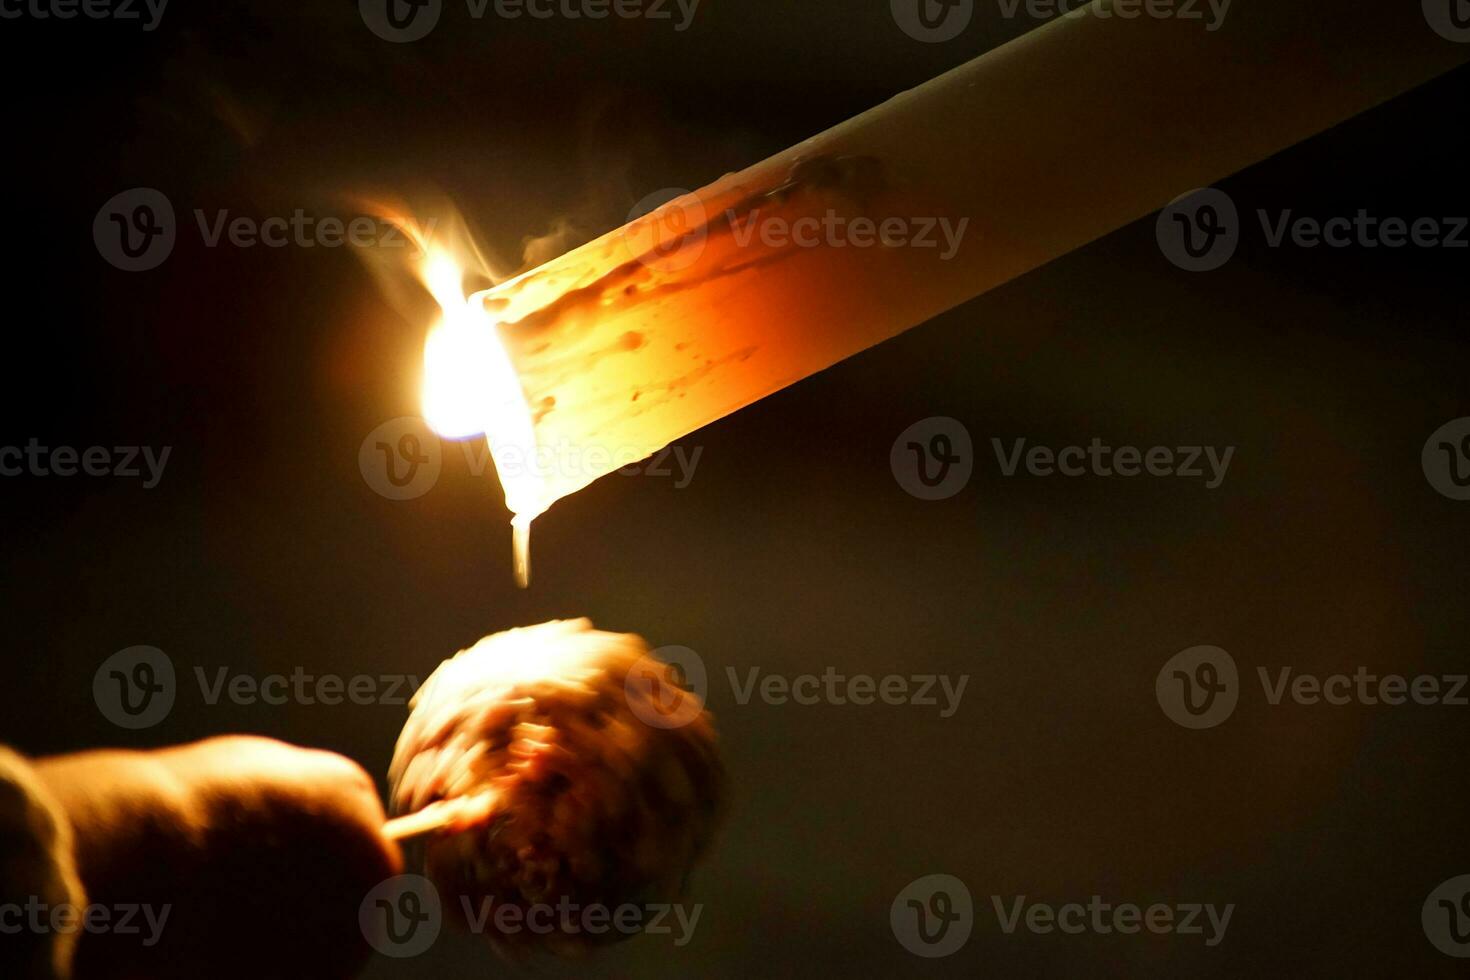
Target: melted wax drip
520, 541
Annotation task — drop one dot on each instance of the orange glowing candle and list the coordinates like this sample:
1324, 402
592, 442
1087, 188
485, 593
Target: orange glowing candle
605, 355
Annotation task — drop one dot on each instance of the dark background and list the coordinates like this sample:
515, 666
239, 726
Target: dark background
793, 548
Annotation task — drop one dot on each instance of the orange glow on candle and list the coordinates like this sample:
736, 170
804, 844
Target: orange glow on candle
601, 357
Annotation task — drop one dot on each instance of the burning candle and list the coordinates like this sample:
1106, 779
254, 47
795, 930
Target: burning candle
607, 354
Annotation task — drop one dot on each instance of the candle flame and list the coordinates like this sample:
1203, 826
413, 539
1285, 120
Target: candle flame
470, 387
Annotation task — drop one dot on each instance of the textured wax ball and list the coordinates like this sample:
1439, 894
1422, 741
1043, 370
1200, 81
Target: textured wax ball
600, 772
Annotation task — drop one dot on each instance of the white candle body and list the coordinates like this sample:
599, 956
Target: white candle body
1034, 149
